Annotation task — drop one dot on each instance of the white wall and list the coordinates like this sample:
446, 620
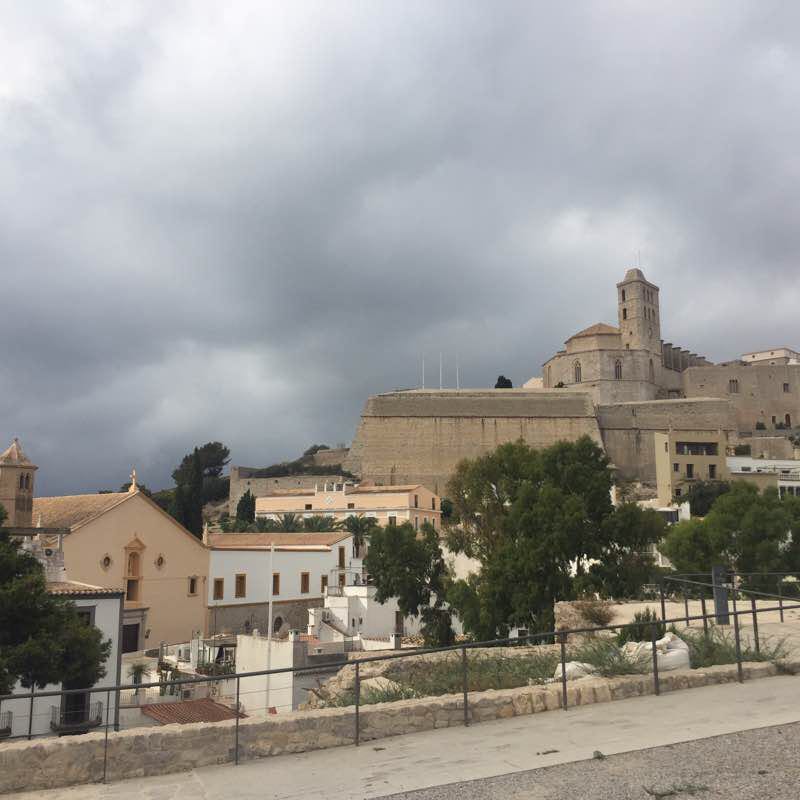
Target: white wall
251, 656
107, 618
227, 564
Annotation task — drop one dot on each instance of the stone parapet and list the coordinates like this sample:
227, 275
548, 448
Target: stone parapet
52, 762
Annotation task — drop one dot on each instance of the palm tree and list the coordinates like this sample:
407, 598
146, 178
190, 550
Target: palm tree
318, 524
290, 523
136, 672
360, 528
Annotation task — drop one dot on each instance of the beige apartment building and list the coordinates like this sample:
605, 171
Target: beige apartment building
388, 505
683, 457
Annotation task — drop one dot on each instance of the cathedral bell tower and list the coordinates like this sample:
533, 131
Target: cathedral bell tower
16, 486
639, 313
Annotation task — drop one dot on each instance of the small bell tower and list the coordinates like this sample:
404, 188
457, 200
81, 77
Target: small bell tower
639, 312
17, 479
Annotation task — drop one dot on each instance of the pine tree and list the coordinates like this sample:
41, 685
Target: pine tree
246, 507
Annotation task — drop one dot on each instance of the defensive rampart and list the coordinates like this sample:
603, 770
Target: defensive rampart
420, 436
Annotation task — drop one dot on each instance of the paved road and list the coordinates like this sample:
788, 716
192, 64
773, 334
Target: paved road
436, 758
752, 764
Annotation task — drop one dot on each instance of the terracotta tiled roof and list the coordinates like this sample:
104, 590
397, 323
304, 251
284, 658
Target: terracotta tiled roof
73, 510
76, 589
234, 541
598, 329
204, 710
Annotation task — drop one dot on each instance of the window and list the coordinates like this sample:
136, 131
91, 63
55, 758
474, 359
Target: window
652, 372
276, 583
678, 492
308, 506
21, 481
733, 386
305, 580
193, 586
241, 585
618, 370
416, 501
219, 588
133, 564
323, 584
696, 448
786, 387
623, 295
624, 313
393, 520
712, 472
351, 505
433, 504
341, 558
666, 447
787, 420
28, 481
676, 467
690, 471
277, 624
577, 370
85, 615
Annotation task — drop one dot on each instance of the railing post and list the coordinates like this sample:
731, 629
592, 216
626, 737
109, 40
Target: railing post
465, 685
686, 607
358, 704
236, 751
30, 714
705, 615
718, 579
663, 599
105, 743
755, 625
738, 643
653, 638
780, 596
563, 638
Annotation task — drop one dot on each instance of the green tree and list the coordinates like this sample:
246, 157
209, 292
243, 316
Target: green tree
246, 507
503, 383
534, 519
195, 497
626, 563
361, 528
318, 523
408, 565
290, 523
212, 458
702, 495
42, 638
745, 530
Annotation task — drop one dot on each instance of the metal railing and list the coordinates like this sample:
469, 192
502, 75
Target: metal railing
232, 691
76, 719
6, 718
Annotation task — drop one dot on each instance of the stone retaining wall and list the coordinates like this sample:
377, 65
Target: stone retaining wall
52, 762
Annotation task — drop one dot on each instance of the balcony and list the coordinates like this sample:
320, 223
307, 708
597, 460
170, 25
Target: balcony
5, 724
341, 577
77, 720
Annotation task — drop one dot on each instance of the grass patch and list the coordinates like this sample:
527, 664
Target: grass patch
595, 612
608, 659
719, 647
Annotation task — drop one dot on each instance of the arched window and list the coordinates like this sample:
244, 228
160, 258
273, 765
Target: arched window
28, 480
624, 313
618, 370
733, 386
133, 564
577, 372
652, 372
21, 481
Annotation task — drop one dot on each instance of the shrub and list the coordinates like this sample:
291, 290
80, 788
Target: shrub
641, 630
760, 426
595, 612
608, 659
719, 647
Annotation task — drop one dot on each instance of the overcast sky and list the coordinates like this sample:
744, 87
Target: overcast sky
236, 221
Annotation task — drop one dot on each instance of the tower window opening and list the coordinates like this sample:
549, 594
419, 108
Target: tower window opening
618, 370
624, 313
578, 372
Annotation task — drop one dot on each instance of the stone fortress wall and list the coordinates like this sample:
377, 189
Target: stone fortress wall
630, 384
420, 436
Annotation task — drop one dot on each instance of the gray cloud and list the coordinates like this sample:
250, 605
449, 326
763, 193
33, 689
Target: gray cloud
236, 223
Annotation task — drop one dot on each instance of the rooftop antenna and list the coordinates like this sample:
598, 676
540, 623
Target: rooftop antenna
423, 370
458, 376
440, 370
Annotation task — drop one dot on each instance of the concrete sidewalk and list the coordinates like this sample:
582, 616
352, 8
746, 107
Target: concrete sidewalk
450, 755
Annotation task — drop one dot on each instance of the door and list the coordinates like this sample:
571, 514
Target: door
130, 638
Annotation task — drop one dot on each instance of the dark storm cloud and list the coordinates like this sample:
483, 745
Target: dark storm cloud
236, 223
